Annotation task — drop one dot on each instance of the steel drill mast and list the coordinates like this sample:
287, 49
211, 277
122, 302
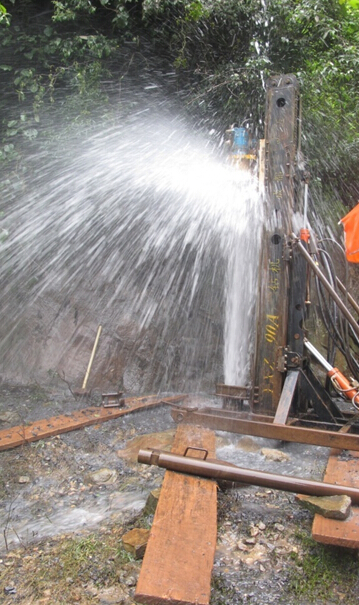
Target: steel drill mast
282, 136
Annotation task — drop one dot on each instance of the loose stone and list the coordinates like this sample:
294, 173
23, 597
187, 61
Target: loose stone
331, 507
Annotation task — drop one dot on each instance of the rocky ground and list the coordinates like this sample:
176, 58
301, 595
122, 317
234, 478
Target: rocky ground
66, 502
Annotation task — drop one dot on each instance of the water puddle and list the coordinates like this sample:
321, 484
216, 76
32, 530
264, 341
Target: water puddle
273, 456
21, 528
162, 441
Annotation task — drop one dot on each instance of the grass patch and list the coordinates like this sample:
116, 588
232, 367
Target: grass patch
222, 593
66, 569
78, 561
322, 571
78, 554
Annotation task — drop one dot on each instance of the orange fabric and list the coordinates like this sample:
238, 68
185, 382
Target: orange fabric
305, 235
351, 234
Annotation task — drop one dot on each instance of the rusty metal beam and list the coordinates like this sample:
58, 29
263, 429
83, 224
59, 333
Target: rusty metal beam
237, 423
41, 429
281, 145
217, 469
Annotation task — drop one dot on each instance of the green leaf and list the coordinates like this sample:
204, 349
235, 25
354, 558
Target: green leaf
4, 16
31, 133
27, 73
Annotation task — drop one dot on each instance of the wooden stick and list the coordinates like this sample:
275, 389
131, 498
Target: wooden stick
92, 357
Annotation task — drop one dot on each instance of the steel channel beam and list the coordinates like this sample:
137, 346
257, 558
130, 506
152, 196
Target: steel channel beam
217, 469
223, 413
231, 424
282, 138
56, 425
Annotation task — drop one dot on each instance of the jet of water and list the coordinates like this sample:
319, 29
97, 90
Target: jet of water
144, 230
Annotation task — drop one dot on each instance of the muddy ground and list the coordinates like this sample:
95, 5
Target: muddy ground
65, 503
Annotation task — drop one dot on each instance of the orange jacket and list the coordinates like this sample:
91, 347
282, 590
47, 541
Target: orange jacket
351, 234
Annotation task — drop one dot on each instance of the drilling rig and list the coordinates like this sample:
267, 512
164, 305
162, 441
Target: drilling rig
291, 398
297, 393
286, 399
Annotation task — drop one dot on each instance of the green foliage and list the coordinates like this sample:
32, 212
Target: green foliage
222, 50
352, 3
330, 87
227, 50
4, 16
72, 10
123, 557
46, 69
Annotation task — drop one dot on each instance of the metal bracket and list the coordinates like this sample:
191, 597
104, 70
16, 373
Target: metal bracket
196, 449
287, 249
112, 400
288, 360
234, 392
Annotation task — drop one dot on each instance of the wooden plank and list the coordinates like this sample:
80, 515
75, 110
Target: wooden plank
342, 468
19, 435
286, 398
179, 557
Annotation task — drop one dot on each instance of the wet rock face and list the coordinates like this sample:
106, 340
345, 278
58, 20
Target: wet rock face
134, 230
101, 241
52, 341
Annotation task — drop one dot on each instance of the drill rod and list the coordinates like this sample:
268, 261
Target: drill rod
217, 469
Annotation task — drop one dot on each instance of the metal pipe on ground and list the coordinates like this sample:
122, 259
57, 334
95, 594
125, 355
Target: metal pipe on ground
217, 469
